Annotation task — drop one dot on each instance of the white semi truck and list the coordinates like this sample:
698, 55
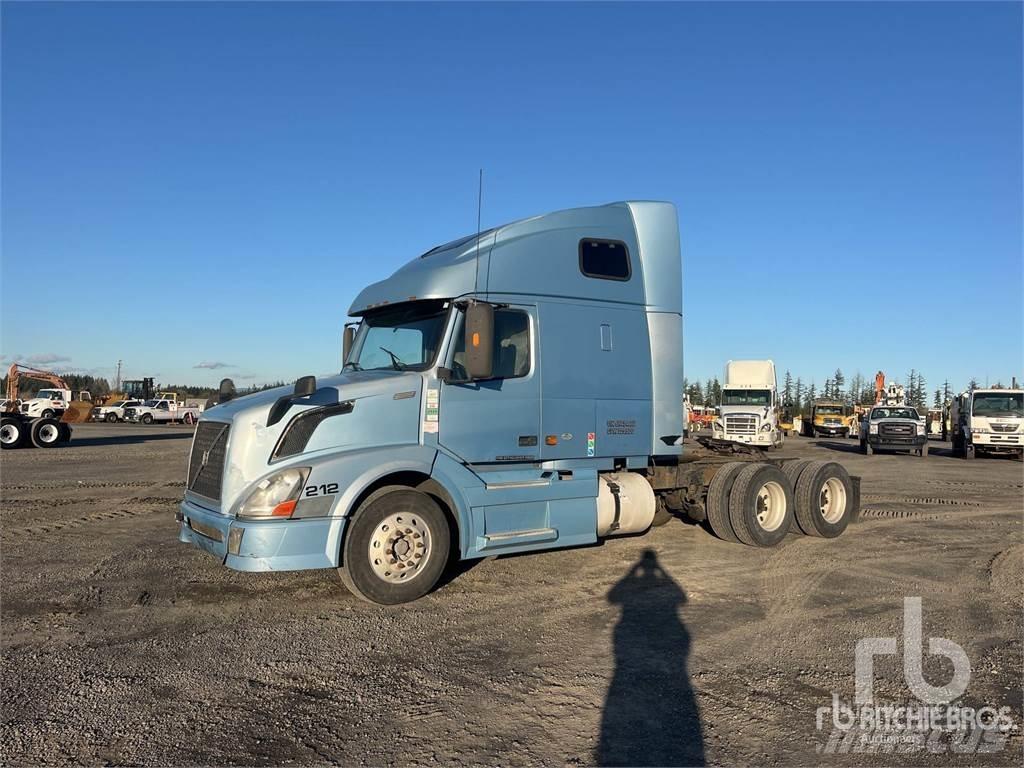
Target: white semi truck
988, 420
748, 412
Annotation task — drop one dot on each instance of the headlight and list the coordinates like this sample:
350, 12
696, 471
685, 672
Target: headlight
873, 429
766, 427
275, 496
922, 430
717, 426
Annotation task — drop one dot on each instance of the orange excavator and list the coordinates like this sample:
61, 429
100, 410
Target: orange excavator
75, 405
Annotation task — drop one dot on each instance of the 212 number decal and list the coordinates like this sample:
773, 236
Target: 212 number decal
320, 490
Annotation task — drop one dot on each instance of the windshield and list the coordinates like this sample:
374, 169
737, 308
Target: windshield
894, 413
399, 338
998, 404
746, 397
830, 410
49, 394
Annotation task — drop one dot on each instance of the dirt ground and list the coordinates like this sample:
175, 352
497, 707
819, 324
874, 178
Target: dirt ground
122, 646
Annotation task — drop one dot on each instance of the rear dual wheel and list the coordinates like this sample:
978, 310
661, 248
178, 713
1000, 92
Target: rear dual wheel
12, 433
750, 503
46, 433
825, 499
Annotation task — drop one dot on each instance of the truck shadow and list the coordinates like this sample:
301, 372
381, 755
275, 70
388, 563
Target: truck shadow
650, 714
849, 446
84, 442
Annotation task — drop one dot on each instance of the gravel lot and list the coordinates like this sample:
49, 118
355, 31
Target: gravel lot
122, 646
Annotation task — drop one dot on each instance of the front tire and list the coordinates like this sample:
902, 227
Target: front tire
761, 505
825, 499
147, 418
46, 433
47, 414
923, 453
111, 418
12, 433
396, 547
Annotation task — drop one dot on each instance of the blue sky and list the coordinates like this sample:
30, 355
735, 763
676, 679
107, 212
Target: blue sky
212, 183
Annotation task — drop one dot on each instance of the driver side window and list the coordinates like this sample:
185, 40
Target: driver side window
511, 345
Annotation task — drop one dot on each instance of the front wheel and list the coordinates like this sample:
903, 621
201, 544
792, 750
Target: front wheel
396, 547
147, 418
111, 418
47, 414
923, 453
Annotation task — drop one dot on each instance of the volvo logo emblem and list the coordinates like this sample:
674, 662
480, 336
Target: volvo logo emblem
206, 457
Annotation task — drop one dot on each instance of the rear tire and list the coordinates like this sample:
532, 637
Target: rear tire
45, 433
394, 534
716, 507
761, 505
12, 433
825, 499
111, 418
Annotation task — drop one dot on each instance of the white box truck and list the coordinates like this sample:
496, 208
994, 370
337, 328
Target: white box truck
748, 412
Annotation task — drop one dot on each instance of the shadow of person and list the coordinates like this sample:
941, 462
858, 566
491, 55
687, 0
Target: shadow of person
650, 714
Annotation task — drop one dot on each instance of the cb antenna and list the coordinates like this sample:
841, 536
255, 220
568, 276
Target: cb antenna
479, 207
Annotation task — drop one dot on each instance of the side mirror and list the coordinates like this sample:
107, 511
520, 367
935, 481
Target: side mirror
305, 386
347, 337
480, 340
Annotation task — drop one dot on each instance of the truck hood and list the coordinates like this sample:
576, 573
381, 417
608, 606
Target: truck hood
385, 411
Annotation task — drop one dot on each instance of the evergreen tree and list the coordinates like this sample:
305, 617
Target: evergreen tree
787, 389
973, 384
937, 402
812, 395
920, 392
947, 394
856, 390
716, 390
837, 385
709, 394
798, 394
827, 391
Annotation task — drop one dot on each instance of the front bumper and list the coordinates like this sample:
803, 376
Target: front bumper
997, 439
905, 443
831, 429
258, 545
761, 438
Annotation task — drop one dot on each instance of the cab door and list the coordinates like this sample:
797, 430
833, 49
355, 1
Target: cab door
495, 421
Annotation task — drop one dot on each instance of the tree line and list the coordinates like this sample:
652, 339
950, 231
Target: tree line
798, 394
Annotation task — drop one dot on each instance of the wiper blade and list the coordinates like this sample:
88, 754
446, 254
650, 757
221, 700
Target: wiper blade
396, 361
355, 366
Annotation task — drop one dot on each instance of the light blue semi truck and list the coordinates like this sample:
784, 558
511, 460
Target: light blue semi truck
516, 390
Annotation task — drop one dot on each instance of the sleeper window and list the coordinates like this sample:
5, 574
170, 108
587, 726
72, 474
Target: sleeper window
604, 259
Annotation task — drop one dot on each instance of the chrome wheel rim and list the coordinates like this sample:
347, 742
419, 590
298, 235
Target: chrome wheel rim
49, 433
9, 434
400, 547
832, 501
771, 506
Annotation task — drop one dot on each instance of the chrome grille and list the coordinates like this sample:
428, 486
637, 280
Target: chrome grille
741, 425
897, 430
206, 462
1004, 427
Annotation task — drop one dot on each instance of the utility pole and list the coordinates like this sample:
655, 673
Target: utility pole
117, 381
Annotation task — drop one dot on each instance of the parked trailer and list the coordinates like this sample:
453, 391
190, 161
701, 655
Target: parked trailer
511, 391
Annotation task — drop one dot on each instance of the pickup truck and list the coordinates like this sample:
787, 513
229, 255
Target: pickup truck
164, 409
894, 428
113, 411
